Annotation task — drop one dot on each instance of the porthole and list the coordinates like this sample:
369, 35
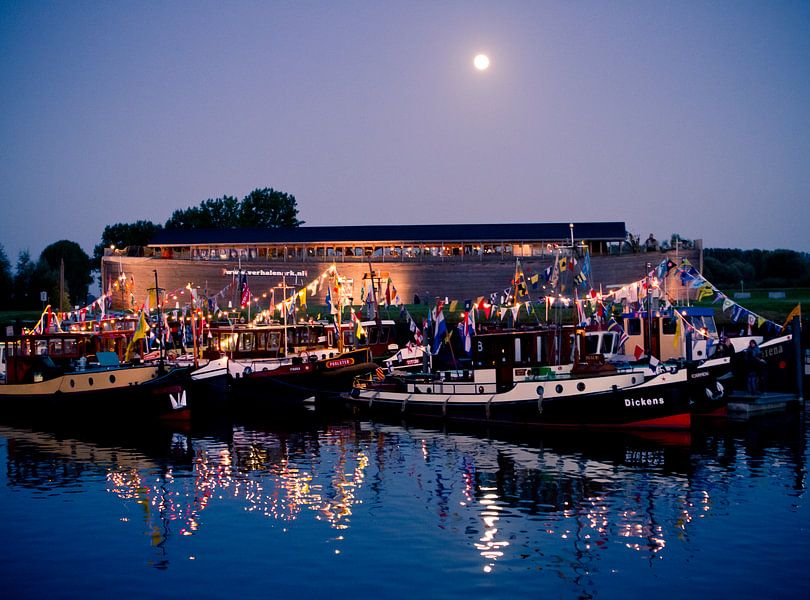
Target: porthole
581, 386
112, 378
72, 383
480, 389
90, 381
429, 391
540, 390
633, 380
559, 388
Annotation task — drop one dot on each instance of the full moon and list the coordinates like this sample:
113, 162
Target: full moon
481, 62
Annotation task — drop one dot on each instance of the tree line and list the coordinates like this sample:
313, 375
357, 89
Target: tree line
731, 268
20, 287
261, 208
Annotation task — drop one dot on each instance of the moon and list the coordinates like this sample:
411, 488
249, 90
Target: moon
481, 62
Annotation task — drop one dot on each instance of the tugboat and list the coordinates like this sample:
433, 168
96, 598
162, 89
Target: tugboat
62, 376
538, 377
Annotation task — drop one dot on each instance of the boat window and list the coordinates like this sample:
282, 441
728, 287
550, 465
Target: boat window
246, 341
539, 349
517, 350
55, 347
634, 326
668, 325
348, 338
40, 347
592, 343
609, 343
227, 342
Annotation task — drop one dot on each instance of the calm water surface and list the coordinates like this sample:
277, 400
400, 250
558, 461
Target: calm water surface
322, 509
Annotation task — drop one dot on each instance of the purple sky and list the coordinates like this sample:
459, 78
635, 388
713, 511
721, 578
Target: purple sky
675, 117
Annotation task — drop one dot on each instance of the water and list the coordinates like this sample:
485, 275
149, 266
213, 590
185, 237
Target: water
326, 509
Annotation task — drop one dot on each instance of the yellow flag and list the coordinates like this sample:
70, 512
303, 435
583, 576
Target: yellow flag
140, 333
705, 290
796, 312
677, 339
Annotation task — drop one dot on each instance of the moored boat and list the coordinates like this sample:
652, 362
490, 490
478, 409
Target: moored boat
522, 377
274, 366
51, 376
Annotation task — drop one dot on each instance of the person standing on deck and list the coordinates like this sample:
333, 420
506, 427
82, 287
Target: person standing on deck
755, 364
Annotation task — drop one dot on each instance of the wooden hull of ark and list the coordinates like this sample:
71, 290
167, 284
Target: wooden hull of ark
662, 402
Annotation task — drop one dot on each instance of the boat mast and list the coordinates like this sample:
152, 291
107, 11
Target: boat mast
284, 308
159, 322
337, 313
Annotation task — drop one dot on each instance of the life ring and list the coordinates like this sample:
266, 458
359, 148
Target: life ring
247, 371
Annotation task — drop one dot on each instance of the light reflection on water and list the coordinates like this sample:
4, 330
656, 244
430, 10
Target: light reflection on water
580, 514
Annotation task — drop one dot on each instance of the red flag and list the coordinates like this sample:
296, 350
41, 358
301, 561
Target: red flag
638, 352
245, 300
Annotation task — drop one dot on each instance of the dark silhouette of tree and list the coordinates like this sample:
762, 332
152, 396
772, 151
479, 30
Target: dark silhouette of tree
124, 235
6, 280
77, 269
25, 296
268, 208
264, 207
219, 213
727, 267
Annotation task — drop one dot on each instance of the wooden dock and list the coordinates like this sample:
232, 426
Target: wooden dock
742, 405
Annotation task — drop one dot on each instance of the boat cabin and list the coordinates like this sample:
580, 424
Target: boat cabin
521, 353
267, 341
670, 336
33, 357
381, 337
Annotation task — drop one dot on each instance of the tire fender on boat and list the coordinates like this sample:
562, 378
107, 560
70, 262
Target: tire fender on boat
247, 371
715, 391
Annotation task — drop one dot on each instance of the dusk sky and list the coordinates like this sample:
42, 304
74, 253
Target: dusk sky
675, 117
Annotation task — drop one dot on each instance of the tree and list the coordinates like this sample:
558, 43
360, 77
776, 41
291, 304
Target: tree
24, 295
268, 208
124, 235
219, 213
77, 268
6, 280
261, 208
